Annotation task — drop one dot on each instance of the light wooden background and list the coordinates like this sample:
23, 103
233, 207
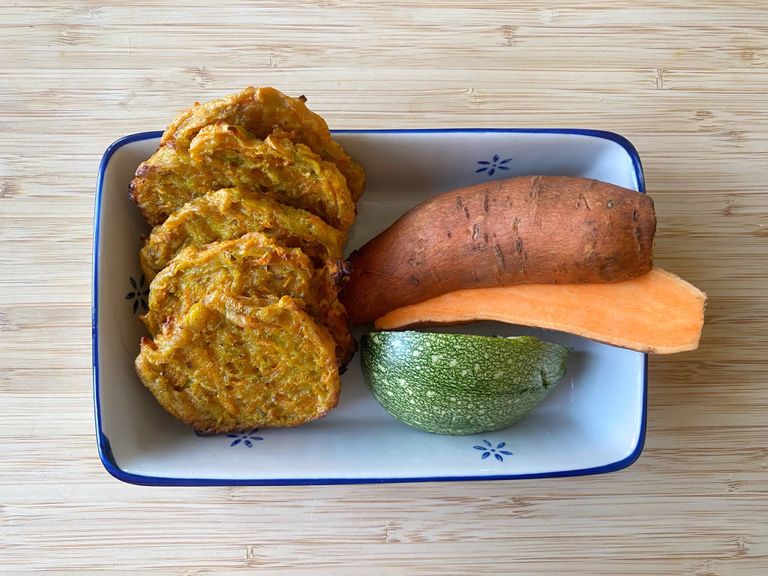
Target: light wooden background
685, 81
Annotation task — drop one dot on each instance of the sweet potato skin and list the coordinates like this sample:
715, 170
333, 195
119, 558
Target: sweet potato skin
525, 230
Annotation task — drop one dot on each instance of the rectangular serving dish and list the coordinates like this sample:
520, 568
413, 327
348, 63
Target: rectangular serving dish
593, 422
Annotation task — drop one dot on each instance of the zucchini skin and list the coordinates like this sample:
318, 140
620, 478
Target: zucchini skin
459, 384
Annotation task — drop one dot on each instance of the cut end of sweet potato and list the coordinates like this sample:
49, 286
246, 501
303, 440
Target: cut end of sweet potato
658, 312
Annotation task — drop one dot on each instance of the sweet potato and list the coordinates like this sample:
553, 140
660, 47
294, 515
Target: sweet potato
527, 230
657, 312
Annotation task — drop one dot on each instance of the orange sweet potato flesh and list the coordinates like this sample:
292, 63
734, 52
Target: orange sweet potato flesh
657, 312
526, 230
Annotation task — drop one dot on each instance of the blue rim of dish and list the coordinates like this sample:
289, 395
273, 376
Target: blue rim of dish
105, 451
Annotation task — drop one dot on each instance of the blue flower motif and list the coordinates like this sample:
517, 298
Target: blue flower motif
494, 164
497, 452
246, 438
138, 294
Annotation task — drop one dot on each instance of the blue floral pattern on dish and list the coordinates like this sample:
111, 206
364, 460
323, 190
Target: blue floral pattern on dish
495, 163
139, 294
247, 439
488, 449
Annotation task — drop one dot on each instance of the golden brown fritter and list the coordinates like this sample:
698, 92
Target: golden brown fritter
167, 181
250, 267
231, 212
291, 173
228, 366
222, 156
263, 111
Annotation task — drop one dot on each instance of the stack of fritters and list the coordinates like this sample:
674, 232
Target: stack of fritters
251, 201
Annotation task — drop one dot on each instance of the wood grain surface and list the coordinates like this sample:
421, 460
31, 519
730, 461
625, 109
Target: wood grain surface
686, 81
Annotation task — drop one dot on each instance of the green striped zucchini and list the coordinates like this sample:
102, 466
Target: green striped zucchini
458, 383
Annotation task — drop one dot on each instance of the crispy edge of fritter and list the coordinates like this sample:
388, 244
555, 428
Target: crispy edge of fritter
353, 172
263, 111
154, 364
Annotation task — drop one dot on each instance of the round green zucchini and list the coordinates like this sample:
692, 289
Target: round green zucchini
459, 383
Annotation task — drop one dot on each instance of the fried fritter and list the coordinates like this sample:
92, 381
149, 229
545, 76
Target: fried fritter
231, 212
221, 156
167, 181
228, 366
250, 267
292, 173
263, 111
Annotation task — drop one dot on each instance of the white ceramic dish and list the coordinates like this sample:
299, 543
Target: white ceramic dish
593, 422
